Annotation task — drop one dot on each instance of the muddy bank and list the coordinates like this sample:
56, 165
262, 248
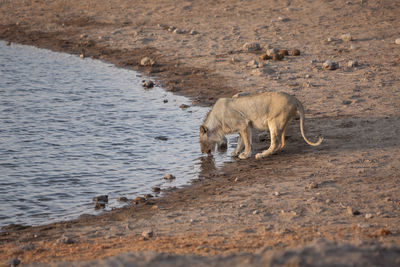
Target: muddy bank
345, 190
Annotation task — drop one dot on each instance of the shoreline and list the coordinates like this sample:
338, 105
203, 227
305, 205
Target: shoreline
291, 199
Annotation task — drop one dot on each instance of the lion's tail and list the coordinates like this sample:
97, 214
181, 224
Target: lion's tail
300, 108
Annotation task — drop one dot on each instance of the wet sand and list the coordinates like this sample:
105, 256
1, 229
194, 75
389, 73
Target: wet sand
344, 191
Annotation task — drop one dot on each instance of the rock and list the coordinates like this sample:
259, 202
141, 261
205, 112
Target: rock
368, 216
83, 35
283, 19
331, 39
328, 201
265, 57
156, 189
65, 240
272, 51
330, 65
147, 234
234, 60
171, 28
312, 185
363, 225
122, 199
346, 37
162, 138
138, 200
193, 32
352, 211
169, 176
277, 57
146, 61
253, 64
8, 43
165, 100
276, 193
15, 262
148, 84
397, 41
253, 46
283, 52
242, 206
184, 106
383, 232
99, 205
237, 179
101, 198
82, 56
178, 31
295, 52
352, 63
256, 212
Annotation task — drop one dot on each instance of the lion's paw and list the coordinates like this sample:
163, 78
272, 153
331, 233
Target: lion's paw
259, 156
243, 156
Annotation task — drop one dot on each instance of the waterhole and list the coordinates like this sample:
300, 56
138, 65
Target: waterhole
72, 129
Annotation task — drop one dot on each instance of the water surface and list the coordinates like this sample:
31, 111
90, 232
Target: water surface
72, 129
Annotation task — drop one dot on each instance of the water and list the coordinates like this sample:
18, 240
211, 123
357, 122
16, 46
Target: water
72, 129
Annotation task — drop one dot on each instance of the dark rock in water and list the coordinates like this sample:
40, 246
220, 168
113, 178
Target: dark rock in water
123, 199
148, 84
165, 100
169, 176
99, 205
183, 106
162, 138
101, 198
138, 200
147, 196
156, 189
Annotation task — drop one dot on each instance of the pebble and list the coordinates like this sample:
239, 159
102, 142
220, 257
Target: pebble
148, 84
330, 65
312, 185
65, 240
253, 46
237, 179
346, 37
330, 39
122, 199
352, 211
295, 52
283, 19
352, 63
169, 176
272, 51
283, 52
256, 212
99, 205
328, 201
171, 28
242, 205
101, 198
184, 106
364, 225
138, 200
147, 233
193, 32
397, 41
276, 193
146, 61
82, 56
156, 189
253, 64
165, 100
369, 216
278, 57
147, 196
178, 31
15, 262
162, 138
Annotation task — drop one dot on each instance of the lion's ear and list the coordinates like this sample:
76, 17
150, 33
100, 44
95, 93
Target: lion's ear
203, 129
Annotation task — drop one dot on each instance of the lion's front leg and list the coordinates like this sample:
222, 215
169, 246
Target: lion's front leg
246, 139
239, 147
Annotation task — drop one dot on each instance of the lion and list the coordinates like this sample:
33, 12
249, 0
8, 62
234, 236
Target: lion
263, 111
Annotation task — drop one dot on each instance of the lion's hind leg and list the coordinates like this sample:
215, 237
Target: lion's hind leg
276, 137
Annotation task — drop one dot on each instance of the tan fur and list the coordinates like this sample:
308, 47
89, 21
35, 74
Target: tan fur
269, 110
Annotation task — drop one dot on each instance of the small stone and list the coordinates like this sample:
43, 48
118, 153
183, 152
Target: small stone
397, 41
256, 212
253, 46
253, 64
101, 198
265, 57
184, 106
383, 232
330, 39
352, 211
363, 225
83, 35
312, 185
147, 234
388, 199
308, 76
178, 31
146, 61
347, 102
242, 206
283, 19
352, 63
65, 240
272, 51
330, 65
346, 37
138, 200
15, 262
276, 193
82, 56
235, 60
283, 52
162, 138
99, 205
156, 189
148, 84
147, 196
295, 52
369, 216
328, 201
169, 176
237, 179
165, 100
193, 32
171, 28
122, 199
277, 57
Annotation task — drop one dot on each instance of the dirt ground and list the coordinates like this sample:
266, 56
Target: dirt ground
346, 191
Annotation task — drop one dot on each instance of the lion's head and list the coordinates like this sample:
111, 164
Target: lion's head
207, 144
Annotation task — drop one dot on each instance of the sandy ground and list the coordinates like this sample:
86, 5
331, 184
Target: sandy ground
345, 191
